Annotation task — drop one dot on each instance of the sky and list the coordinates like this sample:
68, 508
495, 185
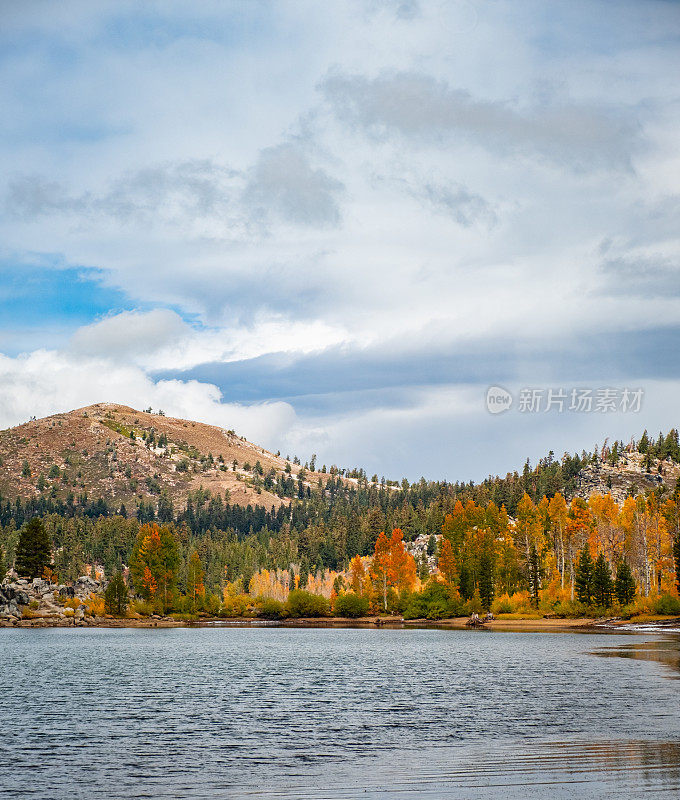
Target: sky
334, 226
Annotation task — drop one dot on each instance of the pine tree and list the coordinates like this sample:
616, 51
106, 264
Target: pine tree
34, 551
624, 586
584, 577
467, 582
486, 582
534, 575
116, 596
643, 445
195, 576
603, 586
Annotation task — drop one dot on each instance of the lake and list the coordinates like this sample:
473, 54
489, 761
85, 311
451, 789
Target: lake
266, 712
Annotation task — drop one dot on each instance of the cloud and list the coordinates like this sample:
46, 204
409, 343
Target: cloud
284, 185
457, 202
46, 382
642, 276
186, 190
161, 340
421, 108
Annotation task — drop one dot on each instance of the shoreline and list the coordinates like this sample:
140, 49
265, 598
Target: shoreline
528, 624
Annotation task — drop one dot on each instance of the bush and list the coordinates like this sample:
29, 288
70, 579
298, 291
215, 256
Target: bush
269, 608
236, 605
143, 607
667, 605
434, 602
502, 605
306, 604
351, 605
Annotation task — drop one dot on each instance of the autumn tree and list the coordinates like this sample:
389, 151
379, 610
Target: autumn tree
392, 566
357, 573
154, 564
557, 512
447, 562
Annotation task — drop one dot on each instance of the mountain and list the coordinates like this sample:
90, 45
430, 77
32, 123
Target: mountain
126, 456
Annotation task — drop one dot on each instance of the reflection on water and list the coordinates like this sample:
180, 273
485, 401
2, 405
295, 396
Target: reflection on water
663, 651
335, 714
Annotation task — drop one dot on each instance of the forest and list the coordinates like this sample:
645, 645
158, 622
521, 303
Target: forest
523, 544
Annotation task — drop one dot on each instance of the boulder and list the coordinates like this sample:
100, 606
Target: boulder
22, 598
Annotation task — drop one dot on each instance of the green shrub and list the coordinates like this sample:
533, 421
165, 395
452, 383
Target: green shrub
434, 602
271, 609
306, 604
351, 605
668, 605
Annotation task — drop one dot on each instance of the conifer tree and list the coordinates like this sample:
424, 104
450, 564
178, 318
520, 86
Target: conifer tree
603, 586
534, 575
467, 582
624, 586
116, 596
486, 582
584, 577
34, 551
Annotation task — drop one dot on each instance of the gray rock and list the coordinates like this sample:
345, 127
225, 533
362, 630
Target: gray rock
22, 598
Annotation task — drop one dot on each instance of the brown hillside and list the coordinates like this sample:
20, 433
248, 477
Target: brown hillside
92, 450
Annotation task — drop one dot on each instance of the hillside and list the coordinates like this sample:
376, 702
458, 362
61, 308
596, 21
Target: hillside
629, 474
125, 456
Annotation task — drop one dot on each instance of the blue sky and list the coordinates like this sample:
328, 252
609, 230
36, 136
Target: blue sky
332, 226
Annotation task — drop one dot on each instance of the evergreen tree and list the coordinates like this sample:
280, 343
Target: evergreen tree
486, 582
624, 586
116, 596
534, 575
34, 551
584, 577
431, 545
467, 582
602, 585
643, 445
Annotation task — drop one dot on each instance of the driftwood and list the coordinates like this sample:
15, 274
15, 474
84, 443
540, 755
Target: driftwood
476, 621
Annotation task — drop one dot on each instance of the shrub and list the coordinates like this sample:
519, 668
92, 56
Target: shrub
668, 605
351, 605
502, 605
268, 608
306, 604
434, 602
94, 605
236, 605
143, 607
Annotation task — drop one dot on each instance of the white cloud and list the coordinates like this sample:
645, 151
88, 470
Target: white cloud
161, 340
46, 382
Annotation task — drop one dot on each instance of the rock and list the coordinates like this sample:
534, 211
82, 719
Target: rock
67, 591
22, 598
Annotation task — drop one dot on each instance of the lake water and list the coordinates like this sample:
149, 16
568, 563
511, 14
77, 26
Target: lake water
337, 713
